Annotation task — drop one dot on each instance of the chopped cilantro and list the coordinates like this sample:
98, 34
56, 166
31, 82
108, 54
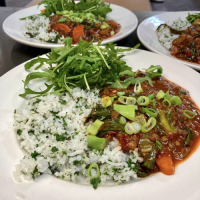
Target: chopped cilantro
60, 137
19, 132
63, 102
77, 162
35, 154
54, 149
94, 182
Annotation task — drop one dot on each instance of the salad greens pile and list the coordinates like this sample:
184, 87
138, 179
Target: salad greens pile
97, 7
85, 66
192, 17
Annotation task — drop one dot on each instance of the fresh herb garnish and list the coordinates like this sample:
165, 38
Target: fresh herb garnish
19, 132
86, 66
54, 149
35, 154
192, 17
94, 182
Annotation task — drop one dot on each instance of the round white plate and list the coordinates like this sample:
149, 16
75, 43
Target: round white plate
147, 33
13, 27
184, 184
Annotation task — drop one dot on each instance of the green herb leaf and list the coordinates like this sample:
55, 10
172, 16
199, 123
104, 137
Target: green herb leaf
35, 154
54, 149
19, 132
94, 182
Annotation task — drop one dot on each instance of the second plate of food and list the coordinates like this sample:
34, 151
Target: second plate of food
36, 31
161, 41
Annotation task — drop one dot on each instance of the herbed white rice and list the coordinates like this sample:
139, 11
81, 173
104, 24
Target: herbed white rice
165, 37
37, 26
44, 119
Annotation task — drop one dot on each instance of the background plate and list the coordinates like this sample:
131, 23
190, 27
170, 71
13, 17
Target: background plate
183, 185
147, 33
13, 27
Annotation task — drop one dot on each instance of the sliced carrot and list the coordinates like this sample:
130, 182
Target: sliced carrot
165, 164
42, 11
62, 28
78, 33
112, 23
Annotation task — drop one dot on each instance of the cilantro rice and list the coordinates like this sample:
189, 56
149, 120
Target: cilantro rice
52, 131
165, 37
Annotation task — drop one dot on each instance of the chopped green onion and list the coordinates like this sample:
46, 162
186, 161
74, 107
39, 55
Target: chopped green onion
127, 111
120, 94
150, 111
62, 20
175, 100
89, 169
112, 98
93, 130
149, 125
189, 114
198, 112
129, 128
123, 99
167, 96
143, 101
138, 89
122, 120
166, 103
131, 101
151, 96
160, 95
106, 101
96, 143
136, 127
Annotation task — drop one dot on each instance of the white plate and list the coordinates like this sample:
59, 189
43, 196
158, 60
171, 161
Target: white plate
13, 27
184, 184
147, 33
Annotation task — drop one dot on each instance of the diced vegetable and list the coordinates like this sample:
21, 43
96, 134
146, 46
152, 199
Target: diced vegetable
106, 101
189, 114
62, 28
137, 88
160, 95
93, 130
89, 169
127, 111
129, 128
165, 121
131, 101
150, 111
136, 127
122, 120
143, 101
151, 96
78, 33
123, 99
149, 125
120, 93
165, 164
166, 103
96, 143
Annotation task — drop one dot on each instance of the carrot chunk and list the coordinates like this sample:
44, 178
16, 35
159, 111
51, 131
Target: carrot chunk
78, 33
165, 164
112, 23
63, 28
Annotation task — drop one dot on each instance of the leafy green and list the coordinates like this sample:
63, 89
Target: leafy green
192, 17
155, 71
97, 7
189, 137
94, 182
86, 66
60, 137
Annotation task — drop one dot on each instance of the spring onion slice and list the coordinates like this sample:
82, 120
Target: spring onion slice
137, 88
198, 112
120, 93
189, 114
127, 111
89, 169
122, 120
112, 98
129, 128
106, 101
93, 130
123, 99
143, 101
150, 111
175, 100
136, 127
149, 125
151, 96
131, 101
166, 103
160, 95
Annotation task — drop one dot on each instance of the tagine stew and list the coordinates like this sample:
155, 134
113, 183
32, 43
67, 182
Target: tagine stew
187, 45
169, 119
86, 30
